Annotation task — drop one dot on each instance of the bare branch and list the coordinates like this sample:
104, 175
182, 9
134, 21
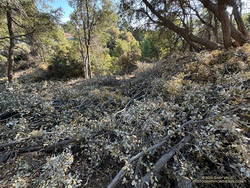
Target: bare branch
164, 159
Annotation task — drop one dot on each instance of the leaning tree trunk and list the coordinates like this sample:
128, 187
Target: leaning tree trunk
183, 32
34, 46
239, 21
225, 24
11, 46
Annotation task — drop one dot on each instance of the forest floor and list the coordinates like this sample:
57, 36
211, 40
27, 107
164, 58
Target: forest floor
183, 120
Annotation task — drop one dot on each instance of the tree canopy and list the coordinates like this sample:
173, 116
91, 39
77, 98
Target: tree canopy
179, 16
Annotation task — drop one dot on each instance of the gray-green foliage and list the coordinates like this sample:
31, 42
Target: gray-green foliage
116, 119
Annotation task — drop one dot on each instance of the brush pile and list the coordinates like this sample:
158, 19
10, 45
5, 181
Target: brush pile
180, 122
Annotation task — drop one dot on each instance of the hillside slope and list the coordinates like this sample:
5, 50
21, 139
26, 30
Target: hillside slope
192, 108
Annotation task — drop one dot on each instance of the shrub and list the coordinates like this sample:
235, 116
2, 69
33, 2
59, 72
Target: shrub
124, 50
175, 85
104, 64
149, 50
216, 64
23, 65
127, 63
21, 52
64, 66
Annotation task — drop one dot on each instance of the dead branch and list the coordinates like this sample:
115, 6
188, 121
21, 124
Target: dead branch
7, 115
122, 172
47, 149
39, 147
164, 159
12, 143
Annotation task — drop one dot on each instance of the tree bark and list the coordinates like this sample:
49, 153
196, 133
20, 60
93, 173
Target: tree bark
87, 40
34, 46
238, 19
11, 45
225, 24
236, 35
208, 28
215, 30
87, 31
87, 63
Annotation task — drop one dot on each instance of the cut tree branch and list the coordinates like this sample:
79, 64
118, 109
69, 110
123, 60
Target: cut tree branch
122, 172
163, 160
47, 149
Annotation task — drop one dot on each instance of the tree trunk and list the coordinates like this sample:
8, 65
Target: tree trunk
215, 30
186, 34
11, 46
208, 28
235, 34
225, 24
238, 19
90, 70
86, 71
81, 50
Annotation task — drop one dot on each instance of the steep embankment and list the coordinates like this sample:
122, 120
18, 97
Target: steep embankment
183, 119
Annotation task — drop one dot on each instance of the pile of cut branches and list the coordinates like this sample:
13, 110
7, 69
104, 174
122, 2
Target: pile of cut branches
172, 125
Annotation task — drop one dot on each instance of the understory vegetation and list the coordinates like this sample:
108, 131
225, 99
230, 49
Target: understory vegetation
83, 132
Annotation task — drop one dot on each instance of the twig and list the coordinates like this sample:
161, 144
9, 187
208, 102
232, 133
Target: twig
86, 182
124, 108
